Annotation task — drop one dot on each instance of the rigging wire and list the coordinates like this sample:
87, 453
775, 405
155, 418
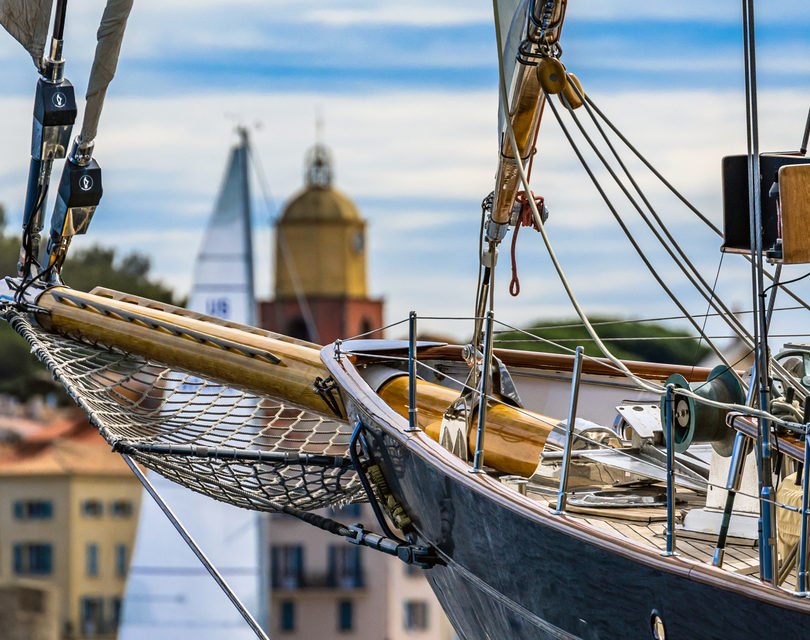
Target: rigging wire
782, 284
711, 299
603, 323
640, 382
656, 276
681, 197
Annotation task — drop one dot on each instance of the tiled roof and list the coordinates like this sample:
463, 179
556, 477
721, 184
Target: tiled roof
64, 447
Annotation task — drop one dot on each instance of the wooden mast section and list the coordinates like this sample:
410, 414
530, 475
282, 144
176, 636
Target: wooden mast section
525, 103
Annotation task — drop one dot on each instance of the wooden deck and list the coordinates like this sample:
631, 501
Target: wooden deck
647, 525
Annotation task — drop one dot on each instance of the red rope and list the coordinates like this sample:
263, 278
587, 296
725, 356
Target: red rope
526, 219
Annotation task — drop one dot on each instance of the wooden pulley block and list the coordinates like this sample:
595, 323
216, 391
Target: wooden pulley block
551, 75
569, 96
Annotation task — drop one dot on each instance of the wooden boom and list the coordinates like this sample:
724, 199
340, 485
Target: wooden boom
267, 363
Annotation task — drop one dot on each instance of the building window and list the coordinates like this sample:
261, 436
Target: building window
345, 615
287, 566
91, 559
414, 571
345, 567
121, 560
92, 616
33, 509
92, 508
297, 328
115, 612
122, 509
416, 615
33, 559
287, 615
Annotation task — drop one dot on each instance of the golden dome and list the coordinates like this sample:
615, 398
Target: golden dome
318, 203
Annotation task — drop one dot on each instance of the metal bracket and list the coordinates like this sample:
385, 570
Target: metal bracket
421, 556
326, 388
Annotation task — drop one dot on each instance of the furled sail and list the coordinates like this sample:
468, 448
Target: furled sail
110, 35
27, 21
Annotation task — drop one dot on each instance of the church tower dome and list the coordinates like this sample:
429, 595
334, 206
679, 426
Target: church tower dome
320, 238
321, 291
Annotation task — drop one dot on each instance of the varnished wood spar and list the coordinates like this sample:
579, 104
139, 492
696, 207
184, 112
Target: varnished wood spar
794, 191
126, 326
562, 362
514, 439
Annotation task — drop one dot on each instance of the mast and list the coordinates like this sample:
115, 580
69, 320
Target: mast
768, 560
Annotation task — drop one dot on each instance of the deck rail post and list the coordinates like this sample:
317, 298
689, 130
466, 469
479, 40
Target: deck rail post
562, 492
670, 427
413, 424
478, 459
801, 578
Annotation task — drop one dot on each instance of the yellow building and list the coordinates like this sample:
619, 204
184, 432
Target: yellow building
68, 513
325, 587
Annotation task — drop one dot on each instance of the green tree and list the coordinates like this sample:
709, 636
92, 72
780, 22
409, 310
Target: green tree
645, 341
21, 374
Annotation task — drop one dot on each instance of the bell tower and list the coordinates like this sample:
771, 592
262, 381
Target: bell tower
321, 293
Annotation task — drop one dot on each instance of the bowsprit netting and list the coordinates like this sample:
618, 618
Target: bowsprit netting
234, 446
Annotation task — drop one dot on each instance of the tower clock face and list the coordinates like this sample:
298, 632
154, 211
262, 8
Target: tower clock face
358, 241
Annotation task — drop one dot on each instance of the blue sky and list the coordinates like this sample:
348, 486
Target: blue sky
407, 92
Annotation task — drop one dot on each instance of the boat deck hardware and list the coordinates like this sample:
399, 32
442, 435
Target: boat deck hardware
327, 389
562, 494
486, 376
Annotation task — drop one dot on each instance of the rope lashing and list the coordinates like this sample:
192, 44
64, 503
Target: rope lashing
525, 219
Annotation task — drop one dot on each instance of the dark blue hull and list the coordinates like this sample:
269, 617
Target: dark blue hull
516, 571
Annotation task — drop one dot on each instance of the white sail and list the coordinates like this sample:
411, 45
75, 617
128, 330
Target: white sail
223, 274
168, 594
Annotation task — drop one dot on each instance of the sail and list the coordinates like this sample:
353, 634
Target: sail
27, 21
110, 35
223, 275
512, 22
168, 594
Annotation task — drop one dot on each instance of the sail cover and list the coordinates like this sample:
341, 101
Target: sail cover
110, 35
27, 21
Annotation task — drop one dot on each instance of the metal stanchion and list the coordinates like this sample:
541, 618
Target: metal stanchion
562, 493
801, 581
413, 424
478, 460
670, 427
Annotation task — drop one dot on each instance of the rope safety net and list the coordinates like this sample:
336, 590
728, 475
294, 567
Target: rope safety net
237, 447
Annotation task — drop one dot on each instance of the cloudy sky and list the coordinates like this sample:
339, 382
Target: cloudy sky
408, 95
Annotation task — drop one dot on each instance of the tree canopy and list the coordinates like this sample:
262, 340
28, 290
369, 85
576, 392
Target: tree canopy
21, 375
645, 341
